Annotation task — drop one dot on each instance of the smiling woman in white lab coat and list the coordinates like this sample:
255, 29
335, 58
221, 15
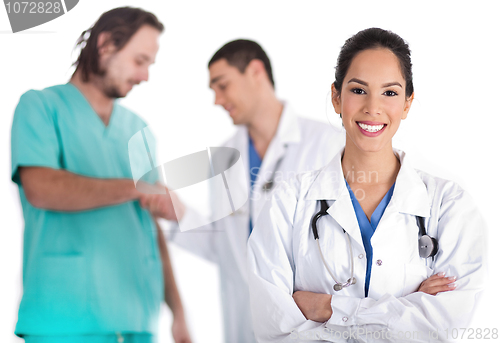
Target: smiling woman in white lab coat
364, 278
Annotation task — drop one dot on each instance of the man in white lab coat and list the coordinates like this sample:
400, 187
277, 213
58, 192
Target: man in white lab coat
274, 145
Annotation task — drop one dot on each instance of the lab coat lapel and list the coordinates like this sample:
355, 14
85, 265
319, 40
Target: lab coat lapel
330, 185
343, 212
288, 132
237, 224
410, 193
410, 196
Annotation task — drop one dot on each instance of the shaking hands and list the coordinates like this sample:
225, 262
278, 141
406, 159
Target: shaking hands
160, 202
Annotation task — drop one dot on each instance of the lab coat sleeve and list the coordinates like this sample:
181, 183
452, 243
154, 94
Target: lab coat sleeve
199, 241
199, 231
275, 315
462, 251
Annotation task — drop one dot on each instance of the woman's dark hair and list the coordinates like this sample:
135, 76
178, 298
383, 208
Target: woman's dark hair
372, 39
239, 53
121, 23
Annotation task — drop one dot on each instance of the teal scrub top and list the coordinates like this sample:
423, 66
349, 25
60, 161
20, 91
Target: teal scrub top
254, 162
87, 272
368, 227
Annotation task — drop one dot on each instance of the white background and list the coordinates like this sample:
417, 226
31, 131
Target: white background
452, 128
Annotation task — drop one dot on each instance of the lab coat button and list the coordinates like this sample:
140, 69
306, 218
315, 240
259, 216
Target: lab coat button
379, 262
345, 319
360, 256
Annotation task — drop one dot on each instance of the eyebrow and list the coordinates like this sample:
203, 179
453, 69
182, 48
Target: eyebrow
358, 81
389, 84
146, 58
215, 80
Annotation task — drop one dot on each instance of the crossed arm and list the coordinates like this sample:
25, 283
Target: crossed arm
316, 306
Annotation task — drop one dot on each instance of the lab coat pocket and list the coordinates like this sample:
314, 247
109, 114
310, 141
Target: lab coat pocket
414, 275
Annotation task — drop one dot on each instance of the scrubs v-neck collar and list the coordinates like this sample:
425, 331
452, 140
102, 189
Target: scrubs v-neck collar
368, 227
95, 117
254, 162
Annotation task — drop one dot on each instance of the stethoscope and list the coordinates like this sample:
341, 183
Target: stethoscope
269, 184
427, 246
338, 285
266, 187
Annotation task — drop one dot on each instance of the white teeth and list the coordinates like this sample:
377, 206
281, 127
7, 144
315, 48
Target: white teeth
371, 128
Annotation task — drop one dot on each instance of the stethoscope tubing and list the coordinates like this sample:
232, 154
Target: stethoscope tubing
338, 285
351, 280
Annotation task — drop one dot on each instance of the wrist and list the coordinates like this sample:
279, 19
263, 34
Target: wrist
174, 303
327, 308
131, 192
178, 314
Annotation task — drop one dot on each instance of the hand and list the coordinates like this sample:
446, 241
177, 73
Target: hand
160, 202
437, 283
314, 306
180, 331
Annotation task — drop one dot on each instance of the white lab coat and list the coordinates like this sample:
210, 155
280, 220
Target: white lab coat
284, 258
310, 145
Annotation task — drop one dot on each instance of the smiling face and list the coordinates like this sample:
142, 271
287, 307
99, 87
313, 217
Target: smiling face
128, 67
372, 100
235, 91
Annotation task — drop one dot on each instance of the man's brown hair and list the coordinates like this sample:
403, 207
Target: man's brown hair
121, 24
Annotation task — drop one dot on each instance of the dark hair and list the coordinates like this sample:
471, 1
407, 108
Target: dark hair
371, 39
239, 53
122, 23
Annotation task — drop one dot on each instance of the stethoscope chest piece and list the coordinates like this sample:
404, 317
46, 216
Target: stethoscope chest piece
339, 286
266, 187
427, 246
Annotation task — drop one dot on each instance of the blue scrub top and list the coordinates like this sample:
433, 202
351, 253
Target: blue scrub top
368, 227
86, 272
254, 162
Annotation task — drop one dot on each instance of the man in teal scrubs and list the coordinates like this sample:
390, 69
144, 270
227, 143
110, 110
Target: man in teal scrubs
95, 264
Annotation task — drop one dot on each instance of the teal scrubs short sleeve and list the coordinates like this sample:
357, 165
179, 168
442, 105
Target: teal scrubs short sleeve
34, 137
